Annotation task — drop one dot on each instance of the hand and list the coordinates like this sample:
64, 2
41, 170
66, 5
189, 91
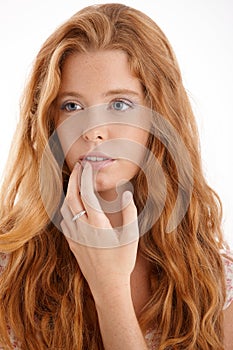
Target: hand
106, 256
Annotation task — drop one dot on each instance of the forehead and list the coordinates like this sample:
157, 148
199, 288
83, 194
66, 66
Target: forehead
106, 70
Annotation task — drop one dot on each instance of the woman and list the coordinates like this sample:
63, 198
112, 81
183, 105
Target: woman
100, 268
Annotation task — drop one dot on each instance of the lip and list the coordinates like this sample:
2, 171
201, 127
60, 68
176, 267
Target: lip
99, 164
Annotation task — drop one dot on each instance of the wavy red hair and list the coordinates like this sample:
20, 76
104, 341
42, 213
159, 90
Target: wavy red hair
44, 296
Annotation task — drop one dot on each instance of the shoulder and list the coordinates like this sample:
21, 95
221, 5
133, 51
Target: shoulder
228, 265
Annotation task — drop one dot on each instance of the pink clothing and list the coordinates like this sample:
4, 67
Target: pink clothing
228, 263
150, 336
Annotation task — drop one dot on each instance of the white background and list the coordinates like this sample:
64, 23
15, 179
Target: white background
201, 33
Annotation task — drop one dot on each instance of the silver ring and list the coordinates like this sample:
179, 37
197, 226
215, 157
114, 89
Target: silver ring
77, 216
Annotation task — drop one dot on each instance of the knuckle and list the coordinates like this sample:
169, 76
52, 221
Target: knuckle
63, 226
101, 223
62, 210
70, 198
132, 210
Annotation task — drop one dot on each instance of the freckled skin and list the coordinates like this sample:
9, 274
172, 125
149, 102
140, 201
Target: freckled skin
94, 79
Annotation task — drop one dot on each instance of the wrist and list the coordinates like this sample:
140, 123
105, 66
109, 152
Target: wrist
111, 292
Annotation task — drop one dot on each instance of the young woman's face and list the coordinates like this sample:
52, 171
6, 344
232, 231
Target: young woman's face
95, 79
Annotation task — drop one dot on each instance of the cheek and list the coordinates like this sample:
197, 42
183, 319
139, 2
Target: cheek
143, 136
136, 134
72, 155
137, 144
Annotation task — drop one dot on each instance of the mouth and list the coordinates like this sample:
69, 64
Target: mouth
96, 160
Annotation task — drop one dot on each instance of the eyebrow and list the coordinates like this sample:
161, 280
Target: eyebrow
122, 91
106, 94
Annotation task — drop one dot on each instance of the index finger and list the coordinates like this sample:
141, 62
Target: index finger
73, 198
87, 192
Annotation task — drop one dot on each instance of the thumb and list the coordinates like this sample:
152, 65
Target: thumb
130, 222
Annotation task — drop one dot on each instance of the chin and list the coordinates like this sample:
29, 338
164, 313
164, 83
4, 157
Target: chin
103, 186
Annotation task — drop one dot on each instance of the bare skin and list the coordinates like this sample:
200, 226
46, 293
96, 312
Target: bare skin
108, 272
114, 274
118, 277
228, 328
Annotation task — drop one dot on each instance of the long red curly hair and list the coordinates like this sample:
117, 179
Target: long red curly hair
43, 294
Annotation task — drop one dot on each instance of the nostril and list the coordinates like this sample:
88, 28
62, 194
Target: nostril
92, 136
96, 133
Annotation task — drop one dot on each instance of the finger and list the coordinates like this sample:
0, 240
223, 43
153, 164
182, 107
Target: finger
65, 229
71, 229
66, 212
88, 196
129, 210
130, 231
69, 234
73, 198
68, 217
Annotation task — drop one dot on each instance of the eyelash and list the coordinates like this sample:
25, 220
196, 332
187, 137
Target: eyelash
64, 106
126, 102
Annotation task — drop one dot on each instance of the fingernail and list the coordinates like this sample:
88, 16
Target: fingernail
77, 165
88, 166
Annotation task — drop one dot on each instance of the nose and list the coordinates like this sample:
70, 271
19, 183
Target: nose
96, 134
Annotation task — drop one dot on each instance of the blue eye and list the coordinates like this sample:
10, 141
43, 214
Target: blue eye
71, 106
120, 105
